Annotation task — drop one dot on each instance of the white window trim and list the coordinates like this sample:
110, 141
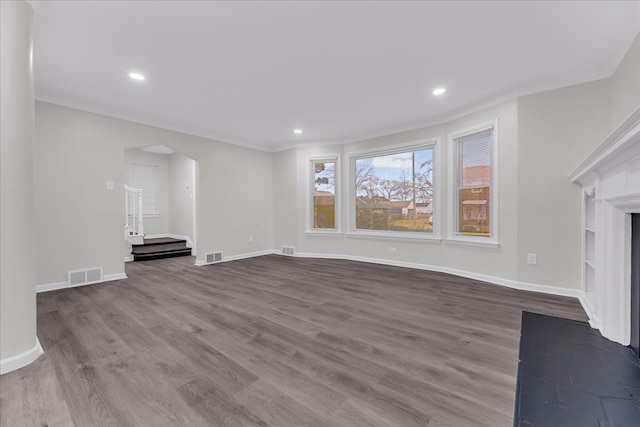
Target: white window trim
493, 240
433, 143
310, 184
392, 235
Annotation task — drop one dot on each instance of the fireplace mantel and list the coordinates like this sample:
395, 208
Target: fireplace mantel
610, 178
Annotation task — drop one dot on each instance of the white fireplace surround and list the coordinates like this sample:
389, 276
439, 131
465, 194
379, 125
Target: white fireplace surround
610, 178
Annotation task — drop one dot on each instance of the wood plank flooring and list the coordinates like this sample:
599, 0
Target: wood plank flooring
275, 341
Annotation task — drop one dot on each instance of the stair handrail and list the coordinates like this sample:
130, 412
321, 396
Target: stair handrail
136, 209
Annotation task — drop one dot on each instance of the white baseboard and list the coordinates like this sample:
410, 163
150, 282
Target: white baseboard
18, 361
63, 285
128, 258
50, 287
594, 320
200, 263
514, 284
248, 255
111, 277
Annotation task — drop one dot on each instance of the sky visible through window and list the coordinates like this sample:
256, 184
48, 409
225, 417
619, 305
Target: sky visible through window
324, 176
394, 192
324, 200
391, 176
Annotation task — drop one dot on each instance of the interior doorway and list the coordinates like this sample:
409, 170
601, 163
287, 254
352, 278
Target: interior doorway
167, 182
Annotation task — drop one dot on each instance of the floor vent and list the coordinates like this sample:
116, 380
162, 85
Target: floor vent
84, 277
288, 250
213, 257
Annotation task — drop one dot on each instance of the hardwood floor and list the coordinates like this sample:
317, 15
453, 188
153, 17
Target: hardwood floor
275, 341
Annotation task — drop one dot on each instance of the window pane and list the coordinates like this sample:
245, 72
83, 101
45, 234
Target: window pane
324, 199
395, 192
474, 211
476, 159
145, 177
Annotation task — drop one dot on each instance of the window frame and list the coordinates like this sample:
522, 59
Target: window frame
310, 185
455, 159
427, 143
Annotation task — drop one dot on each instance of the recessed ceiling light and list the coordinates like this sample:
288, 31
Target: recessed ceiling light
439, 91
297, 131
136, 76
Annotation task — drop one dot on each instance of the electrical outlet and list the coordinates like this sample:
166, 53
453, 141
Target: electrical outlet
250, 238
110, 185
392, 250
532, 259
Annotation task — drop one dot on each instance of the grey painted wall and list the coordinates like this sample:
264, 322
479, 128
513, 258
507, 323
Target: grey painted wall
17, 246
79, 222
543, 137
242, 192
625, 85
556, 131
181, 194
290, 205
285, 194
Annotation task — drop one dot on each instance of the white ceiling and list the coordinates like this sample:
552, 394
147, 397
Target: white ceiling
250, 72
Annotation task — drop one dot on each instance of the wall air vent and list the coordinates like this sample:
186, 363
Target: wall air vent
77, 278
213, 257
84, 277
288, 250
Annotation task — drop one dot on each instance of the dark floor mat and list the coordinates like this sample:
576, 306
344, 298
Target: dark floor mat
569, 375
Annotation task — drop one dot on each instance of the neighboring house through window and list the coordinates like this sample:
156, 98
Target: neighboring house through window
324, 212
473, 183
393, 191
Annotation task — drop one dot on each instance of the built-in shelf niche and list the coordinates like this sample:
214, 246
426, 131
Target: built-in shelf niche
589, 241
590, 228
590, 209
610, 180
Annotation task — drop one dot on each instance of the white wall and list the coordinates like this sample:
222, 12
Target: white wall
543, 137
181, 194
556, 131
244, 192
152, 224
285, 194
17, 246
79, 222
625, 85
290, 174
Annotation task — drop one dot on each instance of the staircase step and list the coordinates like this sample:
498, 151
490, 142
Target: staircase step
162, 254
161, 241
159, 247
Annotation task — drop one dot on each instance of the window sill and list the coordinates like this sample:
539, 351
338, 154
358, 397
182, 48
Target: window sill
429, 238
491, 244
323, 233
